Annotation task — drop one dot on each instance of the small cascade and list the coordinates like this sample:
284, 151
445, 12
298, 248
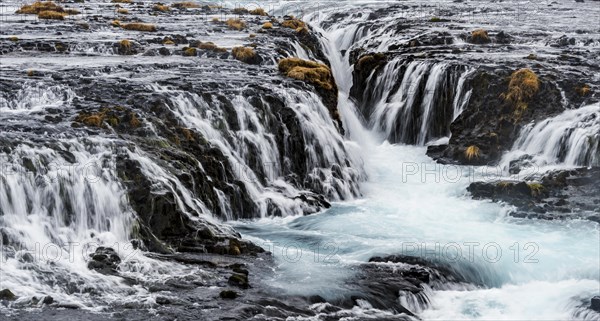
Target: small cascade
34, 97
569, 139
58, 201
415, 101
310, 156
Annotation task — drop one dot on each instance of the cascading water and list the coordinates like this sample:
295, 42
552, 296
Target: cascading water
569, 139
416, 207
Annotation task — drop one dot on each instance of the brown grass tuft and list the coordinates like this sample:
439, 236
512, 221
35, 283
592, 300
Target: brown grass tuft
122, 11
472, 152
267, 25
236, 24
240, 10
54, 15
244, 54
259, 12
115, 23
139, 27
480, 36
121, 1
306, 70
583, 90
523, 85
39, 6
190, 52
161, 7
13, 38
293, 23
215, 20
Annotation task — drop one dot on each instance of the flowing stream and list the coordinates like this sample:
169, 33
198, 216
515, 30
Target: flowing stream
524, 270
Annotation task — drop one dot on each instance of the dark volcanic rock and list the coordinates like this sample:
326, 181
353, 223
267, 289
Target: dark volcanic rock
595, 304
105, 261
7, 295
559, 194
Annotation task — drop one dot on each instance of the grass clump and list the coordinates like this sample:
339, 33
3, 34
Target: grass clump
161, 7
523, 85
480, 36
40, 6
244, 54
236, 24
536, 189
186, 5
472, 152
122, 11
532, 57
168, 41
293, 23
115, 23
435, 19
52, 15
211, 46
121, 1
583, 90
369, 62
308, 71
267, 25
240, 11
190, 52
13, 38
259, 12
215, 20
139, 26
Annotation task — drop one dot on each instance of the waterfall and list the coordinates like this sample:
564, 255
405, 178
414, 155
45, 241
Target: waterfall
415, 101
568, 139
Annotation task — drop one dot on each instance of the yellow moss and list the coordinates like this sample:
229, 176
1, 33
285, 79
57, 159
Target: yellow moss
161, 7
293, 23
536, 188
186, 4
583, 90
480, 36
13, 38
39, 6
139, 26
121, 1
523, 85
189, 52
244, 54
267, 25
435, 19
472, 152
236, 24
306, 70
168, 41
122, 11
505, 184
54, 15
259, 12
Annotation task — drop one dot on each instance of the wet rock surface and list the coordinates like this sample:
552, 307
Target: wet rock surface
556, 195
